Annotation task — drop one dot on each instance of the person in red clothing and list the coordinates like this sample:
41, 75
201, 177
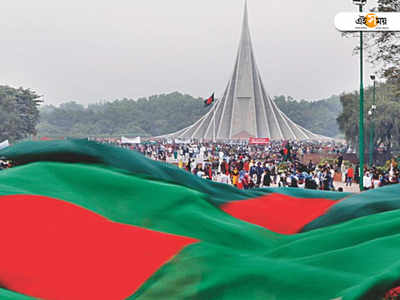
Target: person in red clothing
246, 166
224, 167
349, 176
210, 172
227, 171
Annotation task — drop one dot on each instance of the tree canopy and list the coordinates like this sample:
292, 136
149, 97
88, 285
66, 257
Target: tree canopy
19, 113
383, 48
166, 113
151, 116
386, 116
317, 116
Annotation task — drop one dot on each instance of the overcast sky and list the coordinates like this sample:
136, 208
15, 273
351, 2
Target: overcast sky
93, 50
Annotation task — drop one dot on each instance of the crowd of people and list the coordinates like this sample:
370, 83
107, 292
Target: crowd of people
251, 166
278, 163
275, 164
5, 164
375, 177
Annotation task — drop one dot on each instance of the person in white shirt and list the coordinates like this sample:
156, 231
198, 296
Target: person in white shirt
332, 177
367, 180
200, 173
221, 155
375, 182
225, 179
316, 179
344, 173
217, 177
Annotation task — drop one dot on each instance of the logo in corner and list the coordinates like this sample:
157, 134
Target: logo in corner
371, 20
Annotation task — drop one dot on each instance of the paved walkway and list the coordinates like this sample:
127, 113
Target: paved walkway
354, 188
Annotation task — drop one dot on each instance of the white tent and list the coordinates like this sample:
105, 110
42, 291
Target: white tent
125, 140
4, 144
182, 141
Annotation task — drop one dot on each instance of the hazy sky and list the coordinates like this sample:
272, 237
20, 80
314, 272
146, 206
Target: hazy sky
92, 50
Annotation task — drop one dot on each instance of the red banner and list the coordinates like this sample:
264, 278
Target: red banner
258, 141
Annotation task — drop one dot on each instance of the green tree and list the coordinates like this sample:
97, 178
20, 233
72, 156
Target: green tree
19, 113
383, 48
316, 116
387, 122
151, 116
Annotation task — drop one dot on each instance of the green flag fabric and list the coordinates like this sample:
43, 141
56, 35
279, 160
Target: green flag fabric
81, 220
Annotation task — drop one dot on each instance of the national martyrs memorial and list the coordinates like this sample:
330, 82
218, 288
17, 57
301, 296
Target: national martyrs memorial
245, 110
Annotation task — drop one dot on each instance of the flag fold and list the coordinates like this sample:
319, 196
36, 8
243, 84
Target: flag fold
82, 220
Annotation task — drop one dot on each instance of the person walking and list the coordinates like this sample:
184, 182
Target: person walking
349, 176
259, 172
367, 180
266, 178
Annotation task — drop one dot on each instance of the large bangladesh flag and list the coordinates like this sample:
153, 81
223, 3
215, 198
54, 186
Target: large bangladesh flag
81, 220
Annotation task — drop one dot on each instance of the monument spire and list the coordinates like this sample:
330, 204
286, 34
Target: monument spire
245, 109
